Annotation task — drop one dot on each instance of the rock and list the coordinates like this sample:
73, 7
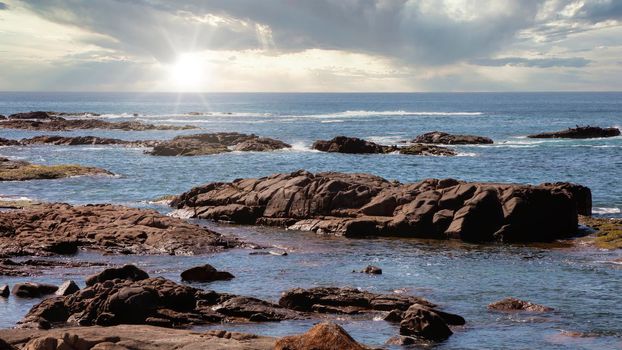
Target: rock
206, 144
127, 272
426, 150
345, 300
33, 267
362, 205
8, 142
155, 301
372, 270
59, 228
513, 304
401, 340
580, 132
444, 138
4, 291
18, 170
421, 321
607, 232
205, 273
33, 290
32, 115
84, 140
353, 145
4, 345
323, 336
143, 337
67, 288
62, 124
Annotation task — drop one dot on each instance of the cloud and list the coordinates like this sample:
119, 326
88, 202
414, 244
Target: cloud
575, 62
3, 6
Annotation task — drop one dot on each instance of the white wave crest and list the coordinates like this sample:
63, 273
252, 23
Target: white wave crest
364, 113
604, 210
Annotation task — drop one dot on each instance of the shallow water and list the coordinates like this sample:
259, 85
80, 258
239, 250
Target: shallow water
582, 284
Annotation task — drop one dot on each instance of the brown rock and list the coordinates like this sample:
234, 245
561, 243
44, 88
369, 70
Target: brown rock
18, 170
323, 336
444, 138
580, 132
372, 270
33, 267
206, 144
4, 291
32, 115
353, 145
8, 142
260, 144
360, 205
5, 346
127, 272
67, 288
423, 322
33, 290
62, 124
110, 228
513, 304
205, 273
427, 150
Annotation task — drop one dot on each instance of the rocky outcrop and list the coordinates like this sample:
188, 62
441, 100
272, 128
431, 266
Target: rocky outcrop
83, 140
427, 150
352, 145
33, 290
68, 287
62, 124
607, 232
323, 336
513, 304
359, 205
127, 272
346, 301
206, 144
133, 337
50, 229
580, 132
443, 138
9, 142
32, 267
205, 273
151, 301
18, 170
372, 270
32, 115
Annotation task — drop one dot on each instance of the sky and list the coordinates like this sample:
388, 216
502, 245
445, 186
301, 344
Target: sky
311, 45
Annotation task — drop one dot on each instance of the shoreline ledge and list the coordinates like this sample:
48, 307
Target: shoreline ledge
361, 205
580, 132
19, 170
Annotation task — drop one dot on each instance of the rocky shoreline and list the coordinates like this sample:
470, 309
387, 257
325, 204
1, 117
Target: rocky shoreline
360, 205
19, 170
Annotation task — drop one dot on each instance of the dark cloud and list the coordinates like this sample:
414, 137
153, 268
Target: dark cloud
599, 11
422, 32
3, 6
575, 62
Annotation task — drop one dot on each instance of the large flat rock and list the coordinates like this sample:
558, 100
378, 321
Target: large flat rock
358, 205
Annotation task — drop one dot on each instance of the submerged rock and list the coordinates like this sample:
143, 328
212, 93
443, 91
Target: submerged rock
444, 138
323, 336
423, 322
372, 270
580, 132
32, 115
18, 170
206, 144
32, 267
104, 227
153, 301
426, 150
513, 304
205, 273
359, 205
353, 145
33, 290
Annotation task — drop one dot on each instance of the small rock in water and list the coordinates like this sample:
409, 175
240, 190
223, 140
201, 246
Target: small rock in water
205, 273
127, 272
323, 336
424, 322
68, 287
401, 340
33, 290
513, 304
4, 291
278, 252
372, 270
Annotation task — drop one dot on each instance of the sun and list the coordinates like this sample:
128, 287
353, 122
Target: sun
188, 72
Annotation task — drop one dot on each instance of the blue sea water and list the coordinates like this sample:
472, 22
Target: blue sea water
581, 284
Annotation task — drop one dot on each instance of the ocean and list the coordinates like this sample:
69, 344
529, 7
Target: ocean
582, 284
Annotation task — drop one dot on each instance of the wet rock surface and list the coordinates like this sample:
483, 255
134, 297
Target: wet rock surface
352, 145
134, 337
443, 138
205, 273
54, 229
427, 150
19, 170
206, 144
33, 290
83, 140
61, 124
32, 267
127, 272
323, 336
152, 301
359, 205
346, 300
422, 321
513, 304
580, 132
